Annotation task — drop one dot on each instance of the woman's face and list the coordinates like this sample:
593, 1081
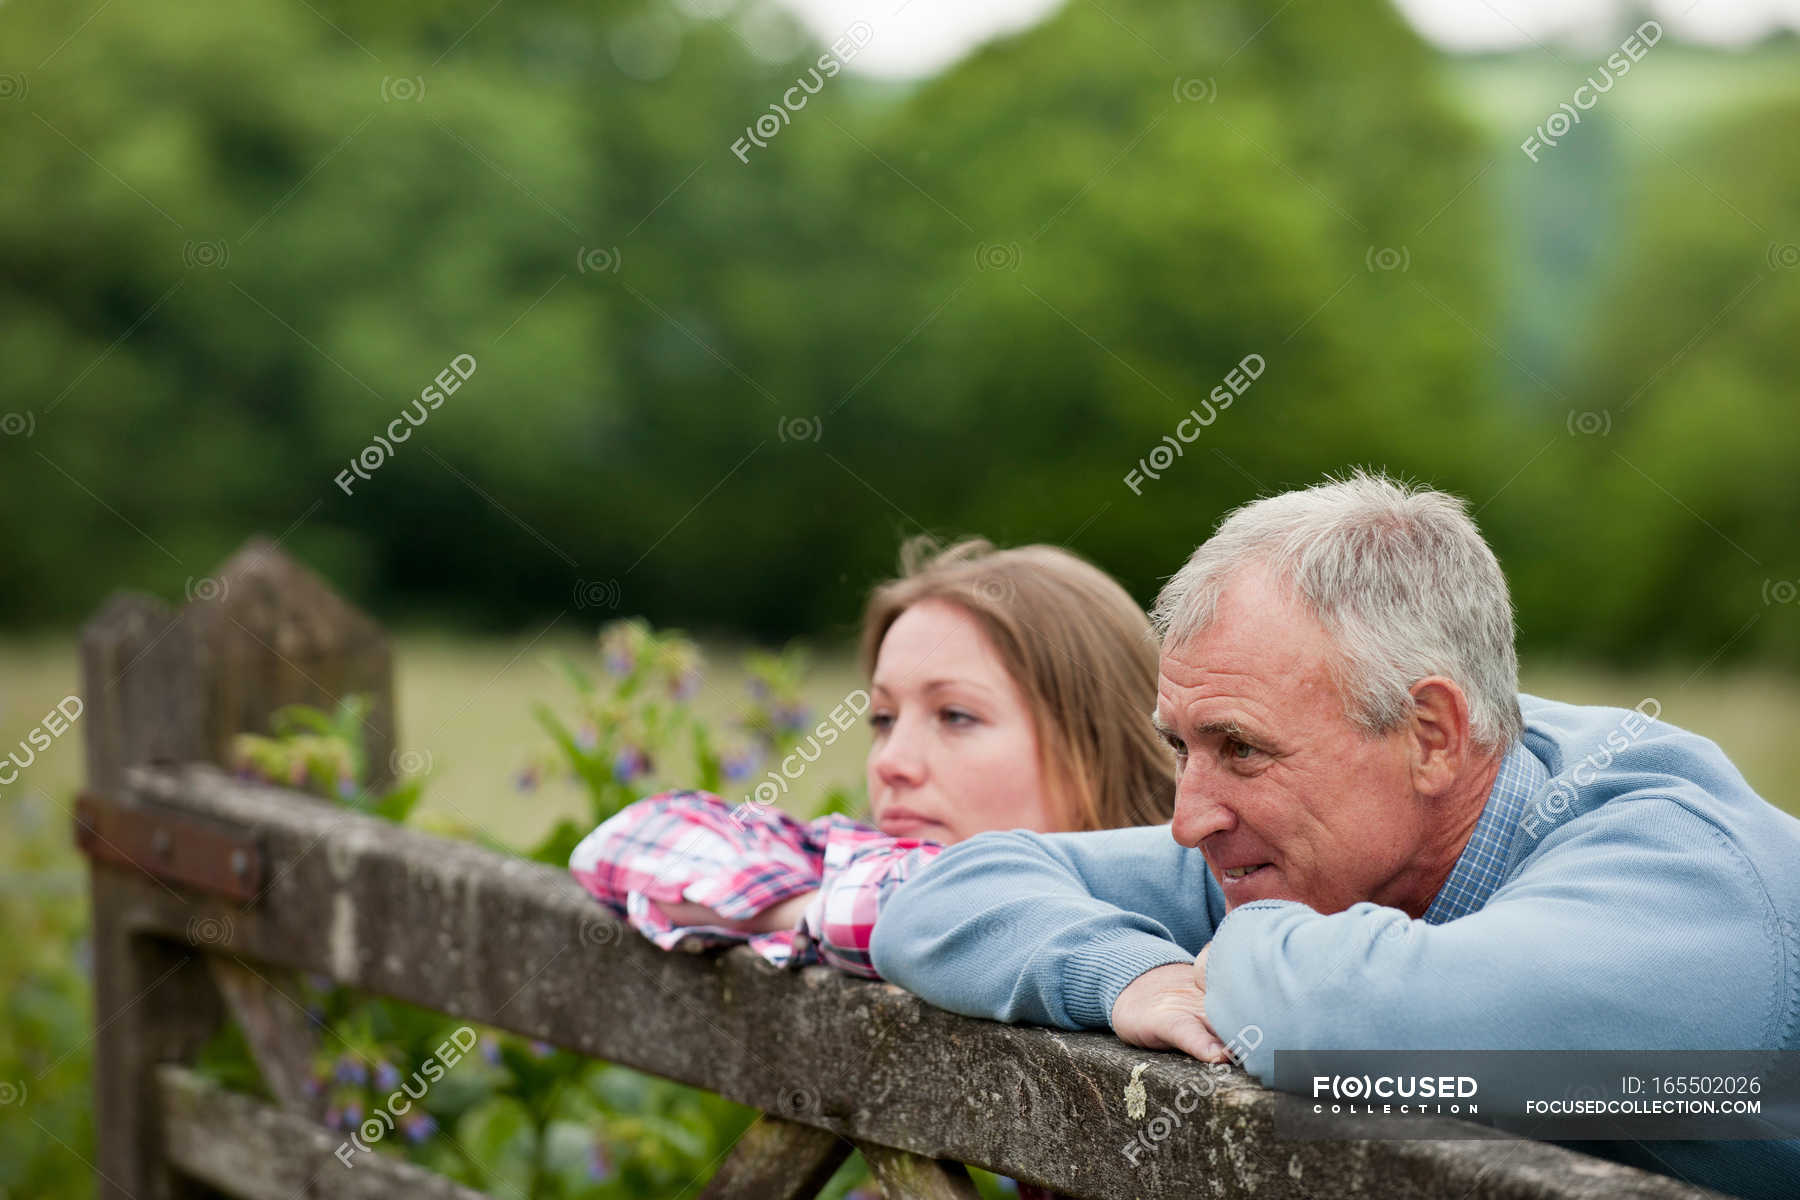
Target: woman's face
955, 748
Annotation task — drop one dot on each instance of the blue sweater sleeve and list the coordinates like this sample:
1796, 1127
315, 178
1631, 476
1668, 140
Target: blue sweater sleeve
1639, 926
1046, 928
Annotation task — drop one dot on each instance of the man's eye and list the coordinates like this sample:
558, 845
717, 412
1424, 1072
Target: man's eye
1239, 750
1178, 746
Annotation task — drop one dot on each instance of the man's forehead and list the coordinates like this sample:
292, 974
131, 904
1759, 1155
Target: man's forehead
1215, 678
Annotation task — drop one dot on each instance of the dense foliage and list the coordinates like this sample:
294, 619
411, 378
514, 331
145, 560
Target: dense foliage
240, 239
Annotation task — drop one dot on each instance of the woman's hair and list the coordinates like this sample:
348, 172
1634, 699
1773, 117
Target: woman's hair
1082, 652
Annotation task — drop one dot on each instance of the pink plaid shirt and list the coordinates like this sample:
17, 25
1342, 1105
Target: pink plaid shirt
738, 861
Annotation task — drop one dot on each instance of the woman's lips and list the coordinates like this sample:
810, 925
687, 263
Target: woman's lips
902, 822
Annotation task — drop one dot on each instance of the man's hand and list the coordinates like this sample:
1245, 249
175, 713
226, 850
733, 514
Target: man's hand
1165, 1009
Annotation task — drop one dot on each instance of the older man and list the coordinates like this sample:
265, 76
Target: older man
1378, 843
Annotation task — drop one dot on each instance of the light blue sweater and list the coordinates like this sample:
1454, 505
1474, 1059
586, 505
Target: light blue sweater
1624, 889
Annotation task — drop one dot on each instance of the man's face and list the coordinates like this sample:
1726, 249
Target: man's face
1273, 775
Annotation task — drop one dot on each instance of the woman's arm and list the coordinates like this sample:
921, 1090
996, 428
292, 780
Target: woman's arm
687, 863
861, 871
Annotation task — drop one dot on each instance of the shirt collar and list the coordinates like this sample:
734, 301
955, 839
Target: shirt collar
1481, 868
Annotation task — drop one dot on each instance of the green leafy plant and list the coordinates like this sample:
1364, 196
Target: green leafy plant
515, 1117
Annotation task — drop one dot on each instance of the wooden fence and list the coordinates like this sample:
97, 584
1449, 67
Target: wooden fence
210, 893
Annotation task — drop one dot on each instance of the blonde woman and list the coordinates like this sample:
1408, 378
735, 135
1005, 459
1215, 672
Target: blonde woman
1009, 689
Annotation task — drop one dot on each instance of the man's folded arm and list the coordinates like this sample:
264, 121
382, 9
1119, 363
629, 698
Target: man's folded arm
1643, 931
1045, 929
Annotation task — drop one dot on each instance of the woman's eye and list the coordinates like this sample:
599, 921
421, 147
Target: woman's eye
879, 722
955, 716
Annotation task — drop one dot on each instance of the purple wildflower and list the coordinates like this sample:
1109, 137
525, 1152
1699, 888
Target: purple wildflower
417, 1126
527, 780
349, 1069
599, 1165
542, 1049
386, 1077
791, 718
630, 763
741, 765
490, 1047
346, 787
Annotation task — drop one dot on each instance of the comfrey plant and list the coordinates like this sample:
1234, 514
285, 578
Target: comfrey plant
491, 1110
634, 730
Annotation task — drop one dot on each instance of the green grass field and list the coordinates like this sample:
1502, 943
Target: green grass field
466, 704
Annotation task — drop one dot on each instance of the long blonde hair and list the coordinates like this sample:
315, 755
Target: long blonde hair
1080, 649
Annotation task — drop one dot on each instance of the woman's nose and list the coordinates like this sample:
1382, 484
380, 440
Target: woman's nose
899, 759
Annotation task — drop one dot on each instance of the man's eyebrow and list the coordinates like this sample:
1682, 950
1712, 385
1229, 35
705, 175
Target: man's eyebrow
1228, 728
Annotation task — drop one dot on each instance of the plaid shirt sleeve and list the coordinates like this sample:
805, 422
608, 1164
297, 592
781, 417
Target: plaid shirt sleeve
862, 867
695, 846
738, 861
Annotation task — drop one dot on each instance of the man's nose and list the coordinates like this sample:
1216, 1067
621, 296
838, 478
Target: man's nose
1198, 813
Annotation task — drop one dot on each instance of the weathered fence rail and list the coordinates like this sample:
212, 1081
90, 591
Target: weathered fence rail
209, 892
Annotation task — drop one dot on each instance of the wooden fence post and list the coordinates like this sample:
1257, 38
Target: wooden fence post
176, 686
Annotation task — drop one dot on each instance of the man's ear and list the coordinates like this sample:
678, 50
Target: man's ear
1441, 746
